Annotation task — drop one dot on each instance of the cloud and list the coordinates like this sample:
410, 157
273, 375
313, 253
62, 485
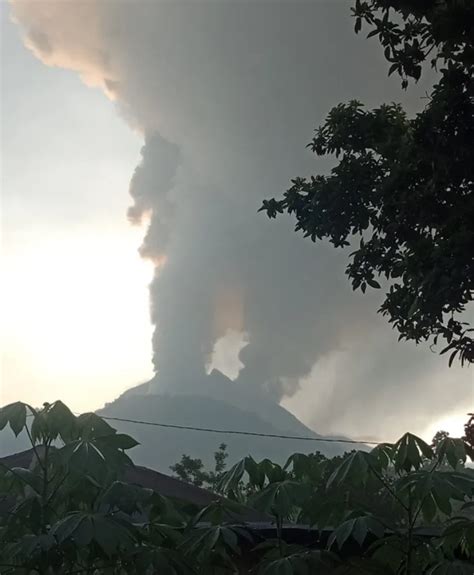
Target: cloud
227, 95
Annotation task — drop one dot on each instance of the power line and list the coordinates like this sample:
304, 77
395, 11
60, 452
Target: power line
240, 432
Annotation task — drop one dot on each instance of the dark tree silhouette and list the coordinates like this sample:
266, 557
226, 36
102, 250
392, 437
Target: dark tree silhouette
404, 186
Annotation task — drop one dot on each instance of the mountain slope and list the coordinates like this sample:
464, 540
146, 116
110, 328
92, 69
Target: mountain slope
215, 402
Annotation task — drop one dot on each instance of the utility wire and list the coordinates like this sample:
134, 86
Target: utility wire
236, 432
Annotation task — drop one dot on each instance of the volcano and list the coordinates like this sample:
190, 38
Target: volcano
213, 402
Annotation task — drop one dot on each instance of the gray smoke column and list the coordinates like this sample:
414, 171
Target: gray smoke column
151, 189
227, 95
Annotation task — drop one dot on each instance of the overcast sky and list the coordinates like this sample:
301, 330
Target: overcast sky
69, 256
214, 103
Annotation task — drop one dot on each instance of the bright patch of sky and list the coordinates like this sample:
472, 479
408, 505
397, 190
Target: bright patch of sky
75, 318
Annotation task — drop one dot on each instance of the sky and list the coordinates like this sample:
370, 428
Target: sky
69, 256
160, 127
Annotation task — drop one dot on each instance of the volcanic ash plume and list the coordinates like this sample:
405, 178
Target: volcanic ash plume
227, 95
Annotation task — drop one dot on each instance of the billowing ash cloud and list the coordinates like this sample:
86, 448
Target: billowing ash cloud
151, 189
227, 95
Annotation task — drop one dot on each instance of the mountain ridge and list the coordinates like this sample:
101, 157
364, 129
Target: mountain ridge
215, 402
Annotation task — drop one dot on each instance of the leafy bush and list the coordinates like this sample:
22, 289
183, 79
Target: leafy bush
70, 511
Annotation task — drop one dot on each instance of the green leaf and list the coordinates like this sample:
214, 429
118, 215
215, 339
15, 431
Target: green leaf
278, 567
65, 528
256, 472
453, 450
265, 499
392, 68
27, 478
341, 534
125, 497
59, 421
409, 451
383, 454
306, 466
274, 472
120, 441
355, 469
230, 539
111, 535
15, 415
429, 508
281, 498
83, 528
304, 562
357, 528
230, 480
373, 283
91, 426
451, 568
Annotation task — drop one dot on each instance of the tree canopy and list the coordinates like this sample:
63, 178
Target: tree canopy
404, 186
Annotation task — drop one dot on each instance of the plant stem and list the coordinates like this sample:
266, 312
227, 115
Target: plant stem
44, 492
35, 451
408, 569
279, 523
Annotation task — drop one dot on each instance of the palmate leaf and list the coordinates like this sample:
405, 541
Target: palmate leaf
300, 563
272, 471
286, 566
306, 466
383, 454
281, 498
126, 498
451, 568
97, 457
434, 491
357, 529
356, 469
28, 546
258, 474
117, 441
324, 511
107, 532
26, 515
84, 457
389, 551
15, 415
164, 510
273, 549
53, 421
163, 534
453, 450
219, 511
366, 566
459, 536
201, 542
91, 426
162, 560
231, 479
409, 452
25, 478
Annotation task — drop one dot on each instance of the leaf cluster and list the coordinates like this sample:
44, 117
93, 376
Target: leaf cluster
402, 190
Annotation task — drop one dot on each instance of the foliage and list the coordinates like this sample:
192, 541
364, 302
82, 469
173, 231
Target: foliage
404, 186
192, 470
71, 510
469, 431
412, 519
